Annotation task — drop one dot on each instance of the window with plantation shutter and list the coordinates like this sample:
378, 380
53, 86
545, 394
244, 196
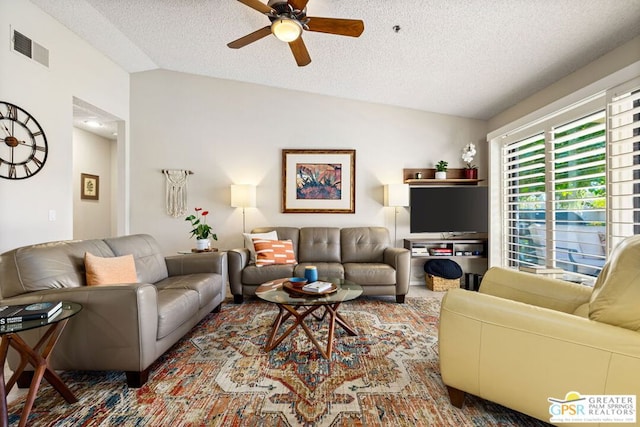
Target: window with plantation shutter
554, 204
571, 185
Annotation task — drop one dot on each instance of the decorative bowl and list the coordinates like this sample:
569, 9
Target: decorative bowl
298, 282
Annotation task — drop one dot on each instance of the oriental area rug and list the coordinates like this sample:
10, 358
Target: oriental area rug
219, 375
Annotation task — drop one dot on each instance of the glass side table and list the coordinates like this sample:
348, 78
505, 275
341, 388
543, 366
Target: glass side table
37, 356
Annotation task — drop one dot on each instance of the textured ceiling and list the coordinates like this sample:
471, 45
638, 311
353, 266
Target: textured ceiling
470, 58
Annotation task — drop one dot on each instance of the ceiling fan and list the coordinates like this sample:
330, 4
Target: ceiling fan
288, 20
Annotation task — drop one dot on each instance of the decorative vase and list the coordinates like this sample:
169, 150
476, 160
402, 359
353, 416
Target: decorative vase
471, 173
202, 244
311, 273
441, 175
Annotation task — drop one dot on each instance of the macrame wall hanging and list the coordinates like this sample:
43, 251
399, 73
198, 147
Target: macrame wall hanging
176, 191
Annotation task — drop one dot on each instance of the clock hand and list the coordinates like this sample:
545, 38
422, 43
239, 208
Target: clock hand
4, 127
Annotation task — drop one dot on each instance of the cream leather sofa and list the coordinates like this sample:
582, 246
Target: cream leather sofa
123, 327
363, 255
525, 338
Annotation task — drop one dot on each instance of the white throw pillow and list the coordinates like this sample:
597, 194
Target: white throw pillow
248, 242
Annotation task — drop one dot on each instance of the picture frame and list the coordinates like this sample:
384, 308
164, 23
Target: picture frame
89, 186
318, 181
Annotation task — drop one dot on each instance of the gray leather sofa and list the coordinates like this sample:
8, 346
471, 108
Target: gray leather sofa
123, 327
363, 255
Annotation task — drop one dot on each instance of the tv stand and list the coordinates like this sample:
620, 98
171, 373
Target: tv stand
447, 248
471, 254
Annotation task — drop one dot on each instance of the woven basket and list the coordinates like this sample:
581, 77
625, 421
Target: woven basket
440, 284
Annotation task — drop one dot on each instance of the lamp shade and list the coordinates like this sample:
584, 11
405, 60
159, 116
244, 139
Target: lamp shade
243, 196
396, 195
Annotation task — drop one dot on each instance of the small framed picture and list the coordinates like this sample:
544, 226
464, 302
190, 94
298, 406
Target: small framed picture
89, 186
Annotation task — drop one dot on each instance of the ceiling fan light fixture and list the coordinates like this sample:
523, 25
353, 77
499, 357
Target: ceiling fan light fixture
286, 29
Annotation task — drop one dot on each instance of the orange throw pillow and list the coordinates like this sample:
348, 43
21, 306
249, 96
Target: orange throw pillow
270, 252
110, 270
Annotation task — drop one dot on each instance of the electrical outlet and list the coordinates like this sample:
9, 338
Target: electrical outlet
52, 215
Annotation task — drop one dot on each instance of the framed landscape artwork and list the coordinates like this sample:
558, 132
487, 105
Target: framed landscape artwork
89, 186
318, 181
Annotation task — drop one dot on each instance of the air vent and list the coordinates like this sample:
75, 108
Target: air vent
21, 43
30, 49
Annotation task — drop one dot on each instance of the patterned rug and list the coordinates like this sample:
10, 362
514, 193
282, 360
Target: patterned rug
219, 375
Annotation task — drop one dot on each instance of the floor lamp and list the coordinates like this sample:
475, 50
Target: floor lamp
243, 196
396, 196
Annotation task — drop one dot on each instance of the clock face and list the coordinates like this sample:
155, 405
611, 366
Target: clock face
23, 144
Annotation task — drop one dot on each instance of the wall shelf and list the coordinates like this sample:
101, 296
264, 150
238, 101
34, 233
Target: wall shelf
455, 176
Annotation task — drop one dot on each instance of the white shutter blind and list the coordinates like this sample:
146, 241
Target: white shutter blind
554, 201
524, 198
578, 194
624, 162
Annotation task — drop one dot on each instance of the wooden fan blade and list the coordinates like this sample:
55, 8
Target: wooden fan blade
250, 38
257, 5
298, 4
341, 27
300, 52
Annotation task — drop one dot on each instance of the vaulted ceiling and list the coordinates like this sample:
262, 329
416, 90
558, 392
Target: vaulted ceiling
470, 58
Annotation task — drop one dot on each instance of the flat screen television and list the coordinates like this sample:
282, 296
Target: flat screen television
451, 209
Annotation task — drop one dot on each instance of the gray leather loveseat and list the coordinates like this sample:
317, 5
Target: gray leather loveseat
123, 327
363, 255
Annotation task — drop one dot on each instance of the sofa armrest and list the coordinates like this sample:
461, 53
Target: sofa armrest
534, 289
122, 319
238, 260
400, 260
487, 344
206, 262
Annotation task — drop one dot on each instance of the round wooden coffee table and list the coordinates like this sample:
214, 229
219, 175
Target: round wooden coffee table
300, 306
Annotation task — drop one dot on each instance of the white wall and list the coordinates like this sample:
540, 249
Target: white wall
76, 69
610, 69
229, 132
92, 154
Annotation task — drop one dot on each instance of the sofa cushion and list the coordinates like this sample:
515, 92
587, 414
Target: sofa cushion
207, 285
248, 242
175, 308
271, 252
252, 275
616, 293
109, 270
319, 244
363, 244
150, 264
326, 270
370, 273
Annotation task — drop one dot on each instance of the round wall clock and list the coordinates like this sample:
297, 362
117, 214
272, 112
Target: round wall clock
23, 144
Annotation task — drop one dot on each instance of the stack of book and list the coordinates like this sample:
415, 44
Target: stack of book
317, 287
540, 269
13, 314
440, 251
